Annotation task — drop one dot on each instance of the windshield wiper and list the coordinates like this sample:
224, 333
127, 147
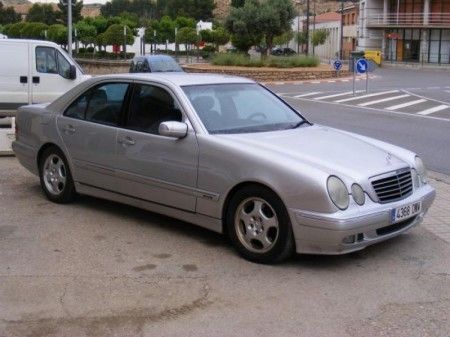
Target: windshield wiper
295, 126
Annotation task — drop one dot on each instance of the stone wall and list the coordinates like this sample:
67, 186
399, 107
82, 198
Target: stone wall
95, 67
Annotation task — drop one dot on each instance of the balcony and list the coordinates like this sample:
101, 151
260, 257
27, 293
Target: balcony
408, 20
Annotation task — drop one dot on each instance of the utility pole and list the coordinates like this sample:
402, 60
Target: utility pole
307, 27
341, 39
69, 27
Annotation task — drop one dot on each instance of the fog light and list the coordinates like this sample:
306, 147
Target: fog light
349, 239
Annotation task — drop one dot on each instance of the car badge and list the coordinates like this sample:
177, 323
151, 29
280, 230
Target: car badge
388, 158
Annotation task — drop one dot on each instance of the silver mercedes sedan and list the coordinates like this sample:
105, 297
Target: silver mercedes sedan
227, 154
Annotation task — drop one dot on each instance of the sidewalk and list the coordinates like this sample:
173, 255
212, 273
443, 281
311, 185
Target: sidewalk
437, 220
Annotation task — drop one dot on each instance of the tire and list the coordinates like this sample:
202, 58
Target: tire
55, 176
258, 225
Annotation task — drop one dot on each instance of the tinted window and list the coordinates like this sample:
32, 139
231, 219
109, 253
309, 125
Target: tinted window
101, 104
63, 66
105, 103
149, 107
46, 60
78, 107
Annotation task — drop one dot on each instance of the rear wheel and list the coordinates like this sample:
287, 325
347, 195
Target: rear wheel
55, 176
259, 225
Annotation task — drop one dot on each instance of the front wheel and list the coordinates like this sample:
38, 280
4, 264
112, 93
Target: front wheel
259, 225
55, 176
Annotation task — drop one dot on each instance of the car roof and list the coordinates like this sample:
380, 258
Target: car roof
179, 78
154, 57
41, 42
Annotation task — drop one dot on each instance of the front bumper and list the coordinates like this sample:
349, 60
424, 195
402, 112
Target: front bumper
320, 233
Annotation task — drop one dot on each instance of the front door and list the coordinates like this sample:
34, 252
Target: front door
49, 75
151, 167
88, 129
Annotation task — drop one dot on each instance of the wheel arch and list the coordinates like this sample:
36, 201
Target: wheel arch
234, 190
42, 150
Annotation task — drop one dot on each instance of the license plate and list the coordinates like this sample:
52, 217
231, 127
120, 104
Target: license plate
405, 212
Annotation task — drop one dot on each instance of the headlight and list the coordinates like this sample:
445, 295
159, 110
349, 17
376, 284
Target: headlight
338, 192
358, 194
415, 178
421, 170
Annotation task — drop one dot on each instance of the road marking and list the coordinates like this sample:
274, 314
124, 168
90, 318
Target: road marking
431, 110
335, 95
404, 105
308, 94
365, 96
331, 81
345, 80
447, 91
383, 100
315, 82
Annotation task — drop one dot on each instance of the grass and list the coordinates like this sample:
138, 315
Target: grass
241, 60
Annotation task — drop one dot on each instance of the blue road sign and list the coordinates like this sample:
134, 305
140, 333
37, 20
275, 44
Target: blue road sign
361, 66
337, 64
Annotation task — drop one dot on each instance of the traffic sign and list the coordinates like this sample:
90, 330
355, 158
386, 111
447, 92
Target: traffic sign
361, 66
337, 65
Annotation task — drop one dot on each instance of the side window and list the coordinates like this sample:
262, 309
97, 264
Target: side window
149, 107
63, 66
46, 60
78, 107
139, 67
145, 67
105, 103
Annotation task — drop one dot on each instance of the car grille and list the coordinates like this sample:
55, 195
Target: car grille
395, 187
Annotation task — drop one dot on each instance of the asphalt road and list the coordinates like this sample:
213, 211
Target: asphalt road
99, 269
409, 108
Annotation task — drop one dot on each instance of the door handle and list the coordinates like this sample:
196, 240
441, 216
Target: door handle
23, 79
127, 141
36, 79
69, 129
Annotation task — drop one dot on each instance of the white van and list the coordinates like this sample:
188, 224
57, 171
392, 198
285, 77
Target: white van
32, 71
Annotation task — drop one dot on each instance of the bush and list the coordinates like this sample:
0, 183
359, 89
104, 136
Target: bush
90, 49
242, 60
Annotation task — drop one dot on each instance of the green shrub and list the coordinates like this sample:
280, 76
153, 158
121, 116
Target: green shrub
242, 60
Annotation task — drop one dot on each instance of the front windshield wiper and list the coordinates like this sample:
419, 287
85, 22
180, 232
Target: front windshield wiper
297, 125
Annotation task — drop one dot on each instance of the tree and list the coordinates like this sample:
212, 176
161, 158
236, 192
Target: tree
58, 34
42, 13
259, 22
143, 9
188, 36
14, 30
76, 12
114, 35
86, 32
237, 3
319, 37
197, 9
220, 37
34, 30
284, 38
8, 15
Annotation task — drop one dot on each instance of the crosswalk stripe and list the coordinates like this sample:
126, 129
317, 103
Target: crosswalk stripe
335, 95
366, 96
434, 109
383, 100
404, 105
308, 94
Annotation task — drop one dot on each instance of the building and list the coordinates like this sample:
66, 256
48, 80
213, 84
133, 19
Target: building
406, 30
330, 22
349, 30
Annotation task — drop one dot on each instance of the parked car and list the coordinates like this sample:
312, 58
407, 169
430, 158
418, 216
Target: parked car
227, 154
282, 51
154, 64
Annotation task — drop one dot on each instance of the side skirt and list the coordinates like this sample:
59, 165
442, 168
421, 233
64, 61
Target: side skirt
204, 221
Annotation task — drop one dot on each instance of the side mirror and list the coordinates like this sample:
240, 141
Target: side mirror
173, 129
72, 72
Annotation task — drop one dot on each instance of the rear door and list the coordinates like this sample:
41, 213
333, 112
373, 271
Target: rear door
88, 129
14, 76
50, 74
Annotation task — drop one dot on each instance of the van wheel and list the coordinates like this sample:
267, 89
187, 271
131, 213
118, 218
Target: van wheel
259, 225
55, 176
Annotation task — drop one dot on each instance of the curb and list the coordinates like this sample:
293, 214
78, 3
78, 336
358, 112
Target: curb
329, 80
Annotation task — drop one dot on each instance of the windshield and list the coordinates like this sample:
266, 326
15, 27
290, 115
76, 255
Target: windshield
164, 64
241, 108
72, 61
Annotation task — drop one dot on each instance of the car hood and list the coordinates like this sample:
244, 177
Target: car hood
333, 151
